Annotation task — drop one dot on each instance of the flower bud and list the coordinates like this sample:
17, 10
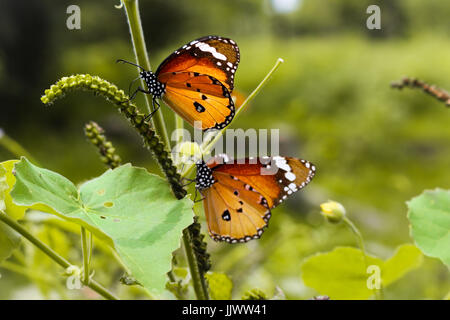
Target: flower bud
188, 151
333, 211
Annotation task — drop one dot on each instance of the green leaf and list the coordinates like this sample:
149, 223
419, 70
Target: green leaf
9, 239
220, 286
3, 187
339, 274
133, 208
6, 174
342, 273
406, 258
429, 216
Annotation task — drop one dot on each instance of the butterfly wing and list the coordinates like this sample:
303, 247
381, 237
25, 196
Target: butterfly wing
237, 205
199, 97
275, 178
214, 56
234, 213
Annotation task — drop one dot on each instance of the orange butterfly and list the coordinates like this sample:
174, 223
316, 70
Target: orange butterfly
196, 81
238, 197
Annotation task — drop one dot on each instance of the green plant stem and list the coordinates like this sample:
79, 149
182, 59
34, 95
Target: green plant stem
208, 145
137, 35
358, 236
360, 240
179, 125
14, 147
52, 254
16, 268
86, 252
142, 59
198, 280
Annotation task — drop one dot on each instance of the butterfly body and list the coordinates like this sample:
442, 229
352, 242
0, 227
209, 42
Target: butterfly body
155, 88
196, 81
238, 197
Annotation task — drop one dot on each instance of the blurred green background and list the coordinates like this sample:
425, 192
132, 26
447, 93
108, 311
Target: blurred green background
374, 147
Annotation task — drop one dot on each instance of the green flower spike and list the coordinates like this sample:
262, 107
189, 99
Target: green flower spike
111, 93
96, 136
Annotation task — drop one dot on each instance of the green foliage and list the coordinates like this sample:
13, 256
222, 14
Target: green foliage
3, 188
429, 215
254, 294
375, 147
129, 206
220, 286
343, 273
14, 211
9, 240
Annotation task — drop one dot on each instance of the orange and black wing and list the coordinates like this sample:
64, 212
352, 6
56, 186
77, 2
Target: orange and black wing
275, 178
213, 56
233, 212
198, 97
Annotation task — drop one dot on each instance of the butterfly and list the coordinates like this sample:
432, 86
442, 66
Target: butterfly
238, 196
196, 81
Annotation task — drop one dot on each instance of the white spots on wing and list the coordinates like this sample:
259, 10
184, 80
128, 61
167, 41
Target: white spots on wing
230, 64
282, 163
293, 186
207, 48
290, 176
219, 63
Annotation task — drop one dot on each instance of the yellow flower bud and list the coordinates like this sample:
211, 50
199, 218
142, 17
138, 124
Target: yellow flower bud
333, 211
190, 149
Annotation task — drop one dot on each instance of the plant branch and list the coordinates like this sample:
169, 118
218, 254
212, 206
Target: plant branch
432, 90
86, 252
111, 93
137, 35
140, 51
52, 254
360, 240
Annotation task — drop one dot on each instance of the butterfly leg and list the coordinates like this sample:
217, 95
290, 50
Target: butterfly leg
187, 179
154, 102
195, 197
139, 89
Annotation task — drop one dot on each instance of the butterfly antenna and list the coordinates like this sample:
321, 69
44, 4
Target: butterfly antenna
131, 84
129, 62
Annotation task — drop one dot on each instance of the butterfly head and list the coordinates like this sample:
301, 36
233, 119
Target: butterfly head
155, 87
204, 178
